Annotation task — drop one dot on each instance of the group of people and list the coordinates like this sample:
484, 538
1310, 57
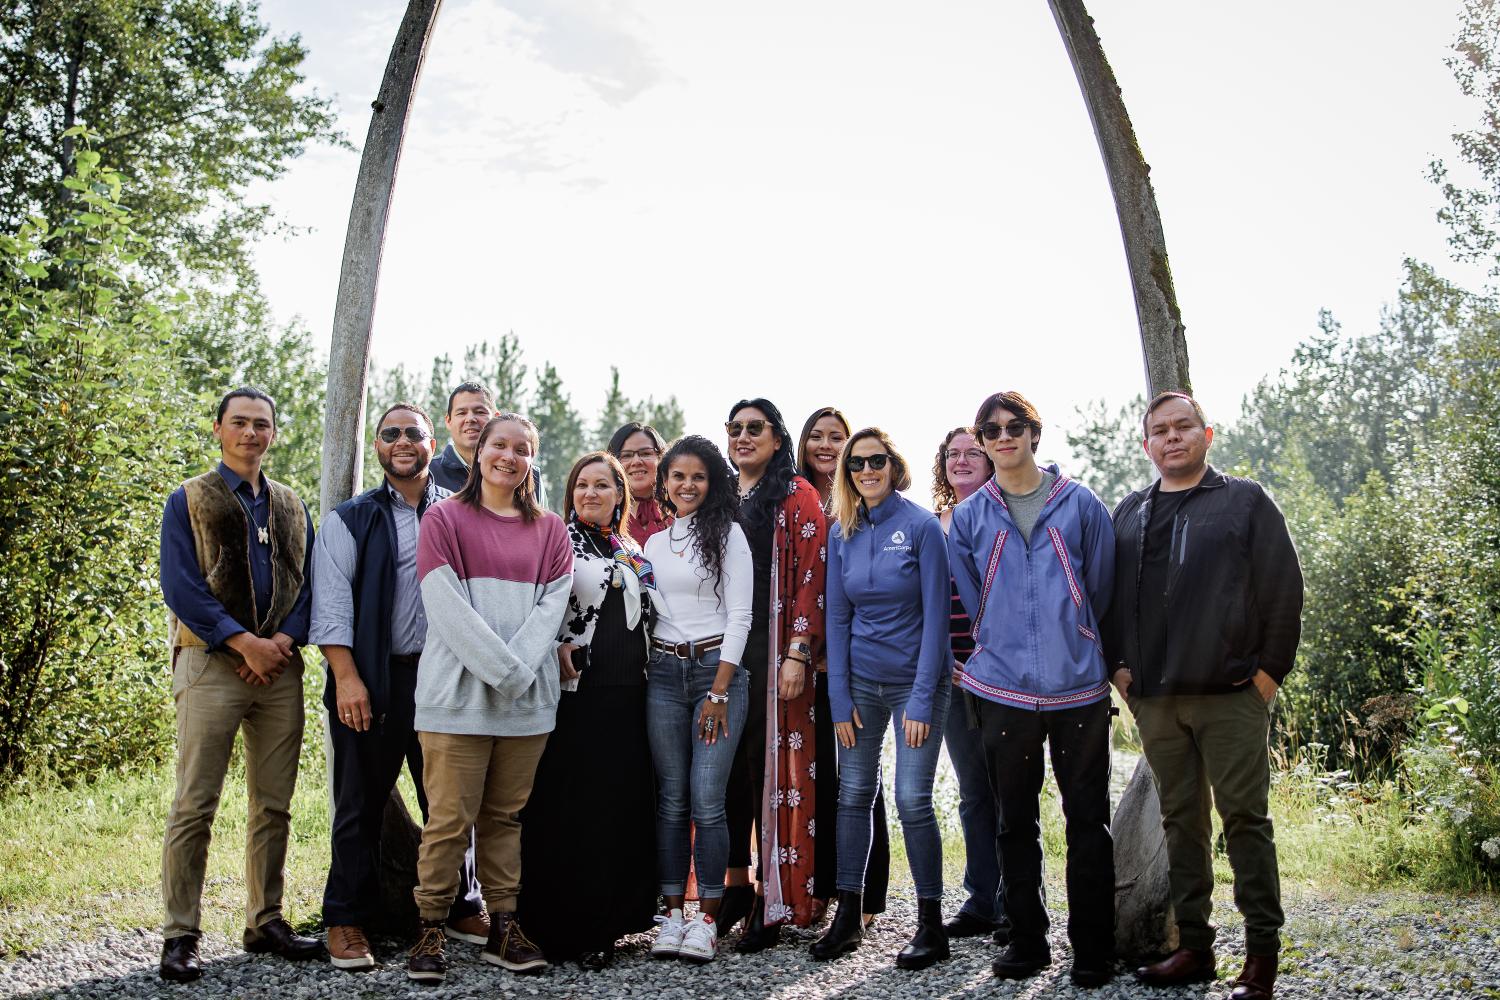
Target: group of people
694, 668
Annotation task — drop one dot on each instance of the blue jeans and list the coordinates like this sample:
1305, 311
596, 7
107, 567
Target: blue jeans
879, 706
978, 814
691, 775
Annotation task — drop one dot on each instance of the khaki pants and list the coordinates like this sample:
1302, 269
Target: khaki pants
481, 782
1211, 749
212, 705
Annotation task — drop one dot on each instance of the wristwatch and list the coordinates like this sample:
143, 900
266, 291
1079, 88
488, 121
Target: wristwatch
803, 648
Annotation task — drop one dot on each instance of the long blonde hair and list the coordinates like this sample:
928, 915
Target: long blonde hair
847, 502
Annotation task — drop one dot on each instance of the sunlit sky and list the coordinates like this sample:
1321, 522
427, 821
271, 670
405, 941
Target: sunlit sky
891, 208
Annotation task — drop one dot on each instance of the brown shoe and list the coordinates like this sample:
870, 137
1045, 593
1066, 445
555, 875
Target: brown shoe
427, 962
348, 948
1258, 981
276, 936
179, 959
510, 948
474, 928
1185, 965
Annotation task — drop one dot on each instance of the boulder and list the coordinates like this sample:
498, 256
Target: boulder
1144, 924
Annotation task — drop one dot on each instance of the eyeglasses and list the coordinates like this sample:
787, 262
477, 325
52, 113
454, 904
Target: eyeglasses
856, 463
755, 428
414, 434
643, 453
1015, 429
972, 454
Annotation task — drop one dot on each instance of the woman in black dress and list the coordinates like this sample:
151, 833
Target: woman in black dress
588, 831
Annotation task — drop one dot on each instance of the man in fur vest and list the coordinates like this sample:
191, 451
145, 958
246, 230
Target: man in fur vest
236, 550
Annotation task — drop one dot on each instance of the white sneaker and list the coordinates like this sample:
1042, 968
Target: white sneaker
669, 935
700, 940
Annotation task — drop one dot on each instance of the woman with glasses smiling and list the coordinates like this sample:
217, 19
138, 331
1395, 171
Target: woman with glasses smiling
889, 662
773, 785
639, 447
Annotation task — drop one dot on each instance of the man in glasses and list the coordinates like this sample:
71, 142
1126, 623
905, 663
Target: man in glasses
1033, 556
1204, 629
235, 566
470, 407
367, 618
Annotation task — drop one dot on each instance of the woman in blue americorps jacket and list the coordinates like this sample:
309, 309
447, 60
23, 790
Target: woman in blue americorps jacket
1033, 560
889, 660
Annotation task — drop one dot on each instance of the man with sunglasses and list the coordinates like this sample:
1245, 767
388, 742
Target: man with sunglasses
1204, 629
367, 618
1032, 554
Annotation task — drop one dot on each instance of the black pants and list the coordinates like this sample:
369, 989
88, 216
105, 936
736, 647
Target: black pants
747, 776
365, 768
1079, 742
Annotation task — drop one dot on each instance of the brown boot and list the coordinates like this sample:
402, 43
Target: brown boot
1258, 981
510, 948
1185, 965
348, 948
475, 928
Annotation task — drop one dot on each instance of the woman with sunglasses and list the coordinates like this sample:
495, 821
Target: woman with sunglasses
818, 450
889, 662
773, 786
696, 698
598, 758
639, 447
959, 470
495, 570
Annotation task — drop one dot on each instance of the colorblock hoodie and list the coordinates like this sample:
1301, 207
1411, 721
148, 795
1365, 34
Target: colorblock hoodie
495, 590
1036, 607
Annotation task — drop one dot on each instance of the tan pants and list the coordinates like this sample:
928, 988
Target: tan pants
481, 782
212, 705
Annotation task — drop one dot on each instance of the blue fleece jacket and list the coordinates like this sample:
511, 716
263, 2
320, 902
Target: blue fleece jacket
888, 606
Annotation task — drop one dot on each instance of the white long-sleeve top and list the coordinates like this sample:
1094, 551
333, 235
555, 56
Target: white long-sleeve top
687, 607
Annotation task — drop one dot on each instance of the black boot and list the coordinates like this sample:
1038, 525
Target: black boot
930, 943
844, 931
735, 906
757, 936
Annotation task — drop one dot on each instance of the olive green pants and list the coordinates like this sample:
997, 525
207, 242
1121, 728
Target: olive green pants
212, 705
1212, 749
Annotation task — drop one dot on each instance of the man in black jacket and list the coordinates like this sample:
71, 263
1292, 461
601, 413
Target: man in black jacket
1203, 630
470, 407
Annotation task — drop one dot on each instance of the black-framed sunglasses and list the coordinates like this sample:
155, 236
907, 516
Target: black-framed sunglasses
856, 463
755, 428
1015, 428
414, 434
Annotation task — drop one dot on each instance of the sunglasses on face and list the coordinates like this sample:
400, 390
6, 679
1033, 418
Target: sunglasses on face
416, 435
856, 463
755, 428
1014, 428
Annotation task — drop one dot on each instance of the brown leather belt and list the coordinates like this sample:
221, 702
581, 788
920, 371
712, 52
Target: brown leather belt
689, 650
405, 660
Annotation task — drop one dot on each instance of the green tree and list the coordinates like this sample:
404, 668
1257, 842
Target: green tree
1472, 214
617, 410
94, 414
1107, 445
561, 430
192, 100
497, 364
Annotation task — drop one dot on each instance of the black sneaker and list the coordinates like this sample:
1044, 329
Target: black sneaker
427, 962
1001, 933
1014, 963
1092, 973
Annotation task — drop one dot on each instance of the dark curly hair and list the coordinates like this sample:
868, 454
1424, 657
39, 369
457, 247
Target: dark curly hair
771, 492
715, 517
944, 495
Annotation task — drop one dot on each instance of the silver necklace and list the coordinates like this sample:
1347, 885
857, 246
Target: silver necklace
685, 540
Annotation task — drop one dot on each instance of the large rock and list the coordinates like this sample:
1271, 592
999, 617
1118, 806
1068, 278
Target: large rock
1144, 924
399, 837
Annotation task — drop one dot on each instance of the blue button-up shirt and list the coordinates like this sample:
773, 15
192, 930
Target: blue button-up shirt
187, 593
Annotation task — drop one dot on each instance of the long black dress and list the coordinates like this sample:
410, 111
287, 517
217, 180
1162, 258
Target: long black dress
588, 833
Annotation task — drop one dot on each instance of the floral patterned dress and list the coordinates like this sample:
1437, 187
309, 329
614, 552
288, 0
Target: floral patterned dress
788, 824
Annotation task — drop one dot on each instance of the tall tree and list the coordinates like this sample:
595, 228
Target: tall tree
1472, 214
193, 100
561, 430
497, 363
1107, 444
617, 410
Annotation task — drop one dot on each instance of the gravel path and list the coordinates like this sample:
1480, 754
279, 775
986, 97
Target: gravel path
1378, 946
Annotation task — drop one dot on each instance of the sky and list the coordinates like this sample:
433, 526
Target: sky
892, 208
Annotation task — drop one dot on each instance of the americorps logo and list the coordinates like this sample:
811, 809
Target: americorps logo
898, 537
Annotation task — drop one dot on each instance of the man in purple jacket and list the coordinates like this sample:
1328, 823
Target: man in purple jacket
1033, 555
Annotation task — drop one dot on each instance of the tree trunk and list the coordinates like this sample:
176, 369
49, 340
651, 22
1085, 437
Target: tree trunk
1144, 924
349, 361
1163, 337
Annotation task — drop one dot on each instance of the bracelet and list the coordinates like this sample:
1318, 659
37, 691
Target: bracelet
794, 659
718, 699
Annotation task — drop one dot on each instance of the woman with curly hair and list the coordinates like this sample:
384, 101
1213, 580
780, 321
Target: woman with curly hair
959, 470
773, 785
696, 688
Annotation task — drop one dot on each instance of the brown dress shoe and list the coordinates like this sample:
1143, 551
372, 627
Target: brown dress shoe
1258, 981
1185, 965
348, 948
475, 928
179, 959
510, 948
277, 936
